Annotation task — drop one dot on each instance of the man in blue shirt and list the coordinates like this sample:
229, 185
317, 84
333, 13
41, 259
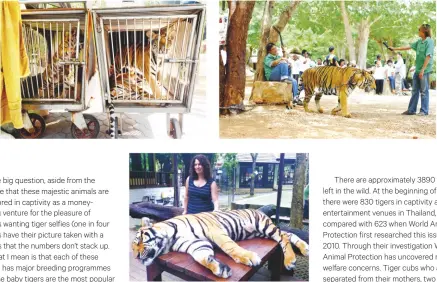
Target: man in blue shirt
276, 69
424, 48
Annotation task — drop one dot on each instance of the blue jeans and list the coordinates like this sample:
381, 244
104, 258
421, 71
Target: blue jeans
420, 86
281, 72
392, 82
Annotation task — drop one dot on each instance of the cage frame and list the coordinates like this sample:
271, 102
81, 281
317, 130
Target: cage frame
197, 11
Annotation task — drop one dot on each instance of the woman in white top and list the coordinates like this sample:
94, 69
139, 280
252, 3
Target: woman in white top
380, 74
399, 74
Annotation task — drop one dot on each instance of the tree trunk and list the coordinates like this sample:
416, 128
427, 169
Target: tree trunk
296, 215
347, 29
363, 39
267, 24
252, 180
240, 13
284, 18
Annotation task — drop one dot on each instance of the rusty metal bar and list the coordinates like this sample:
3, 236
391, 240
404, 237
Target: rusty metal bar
76, 67
163, 60
179, 65
47, 49
121, 58
150, 17
174, 51
128, 59
135, 59
114, 66
63, 54
53, 56
69, 67
57, 51
150, 56
158, 52
143, 70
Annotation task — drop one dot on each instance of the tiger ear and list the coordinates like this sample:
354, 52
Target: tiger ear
145, 222
137, 244
172, 34
151, 34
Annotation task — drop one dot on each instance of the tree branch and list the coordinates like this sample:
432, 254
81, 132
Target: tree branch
377, 19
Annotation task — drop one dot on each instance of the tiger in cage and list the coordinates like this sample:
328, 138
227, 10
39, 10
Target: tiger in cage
51, 77
135, 73
58, 75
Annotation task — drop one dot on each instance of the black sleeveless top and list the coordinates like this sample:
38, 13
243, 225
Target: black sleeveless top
199, 198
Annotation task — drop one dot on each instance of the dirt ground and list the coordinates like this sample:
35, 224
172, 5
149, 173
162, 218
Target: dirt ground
373, 116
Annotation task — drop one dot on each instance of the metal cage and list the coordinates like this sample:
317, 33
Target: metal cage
148, 56
59, 44
55, 43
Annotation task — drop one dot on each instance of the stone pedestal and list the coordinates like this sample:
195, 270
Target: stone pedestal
271, 92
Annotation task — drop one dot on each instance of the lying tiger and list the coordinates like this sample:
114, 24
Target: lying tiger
344, 80
137, 68
196, 234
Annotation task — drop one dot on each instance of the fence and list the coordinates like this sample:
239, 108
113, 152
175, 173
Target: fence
150, 179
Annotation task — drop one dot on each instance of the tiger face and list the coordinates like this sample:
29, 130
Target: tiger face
149, 243
364, 79
161, 41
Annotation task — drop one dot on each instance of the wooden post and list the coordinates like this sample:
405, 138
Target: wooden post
175, 180
276, 262
281, 179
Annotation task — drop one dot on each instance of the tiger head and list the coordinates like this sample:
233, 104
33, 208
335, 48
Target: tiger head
148, 244
163, 40
364, 79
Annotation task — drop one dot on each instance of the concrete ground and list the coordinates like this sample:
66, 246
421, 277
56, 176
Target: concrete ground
139, 126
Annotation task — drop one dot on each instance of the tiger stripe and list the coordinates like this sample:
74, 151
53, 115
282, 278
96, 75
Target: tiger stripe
195, 233
343, 80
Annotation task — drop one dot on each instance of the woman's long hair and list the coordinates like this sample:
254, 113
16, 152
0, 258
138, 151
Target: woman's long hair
205, 164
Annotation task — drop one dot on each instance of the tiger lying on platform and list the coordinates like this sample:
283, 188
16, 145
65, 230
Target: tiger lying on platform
344, 80
196, 234
143, 68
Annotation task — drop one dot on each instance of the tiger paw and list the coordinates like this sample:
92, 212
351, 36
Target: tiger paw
224, 271
218, 268
303, 247
348, 115
334, 111
309, 111
290, 263
248, 258
320, 110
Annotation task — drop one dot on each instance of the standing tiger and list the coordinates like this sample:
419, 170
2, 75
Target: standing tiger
344, 80
196, 234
